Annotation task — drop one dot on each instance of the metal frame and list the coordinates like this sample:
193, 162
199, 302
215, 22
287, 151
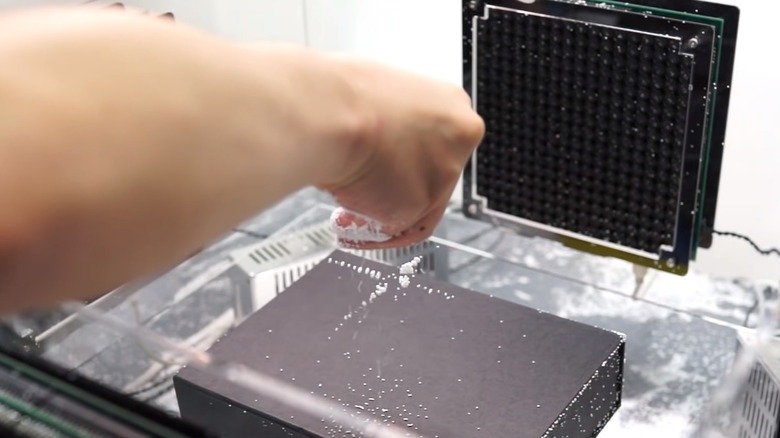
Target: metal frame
262, 271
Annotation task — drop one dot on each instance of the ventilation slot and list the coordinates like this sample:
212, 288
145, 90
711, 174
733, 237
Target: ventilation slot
760, 410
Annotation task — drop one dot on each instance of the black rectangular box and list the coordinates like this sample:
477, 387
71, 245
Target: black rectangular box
433, 358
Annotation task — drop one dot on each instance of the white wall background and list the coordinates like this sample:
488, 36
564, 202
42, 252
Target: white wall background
749, 200
424, 36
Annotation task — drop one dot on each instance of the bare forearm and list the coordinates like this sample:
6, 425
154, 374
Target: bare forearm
125, 144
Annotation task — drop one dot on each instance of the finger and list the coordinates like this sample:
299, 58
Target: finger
422, 230
464, 95
471, 132
352, 226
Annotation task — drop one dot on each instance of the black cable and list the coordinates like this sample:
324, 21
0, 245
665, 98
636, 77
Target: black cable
156, 384
160, 391
250, 233
750, 313
766, 252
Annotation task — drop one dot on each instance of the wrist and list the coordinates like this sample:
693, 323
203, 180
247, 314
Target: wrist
308, 113
344, 126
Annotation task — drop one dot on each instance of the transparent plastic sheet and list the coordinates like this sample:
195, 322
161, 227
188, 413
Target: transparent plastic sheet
262, 385
716, 421
533, 273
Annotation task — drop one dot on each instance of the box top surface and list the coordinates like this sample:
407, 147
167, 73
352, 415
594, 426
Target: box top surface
432, 357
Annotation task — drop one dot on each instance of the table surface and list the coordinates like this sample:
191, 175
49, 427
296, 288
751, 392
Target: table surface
681, 331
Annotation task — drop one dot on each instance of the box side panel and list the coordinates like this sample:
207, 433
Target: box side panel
595, 405
229, 420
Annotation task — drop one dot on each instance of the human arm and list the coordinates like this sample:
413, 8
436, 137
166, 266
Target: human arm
127, 143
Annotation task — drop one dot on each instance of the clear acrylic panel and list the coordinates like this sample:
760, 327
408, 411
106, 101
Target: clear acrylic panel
139, 337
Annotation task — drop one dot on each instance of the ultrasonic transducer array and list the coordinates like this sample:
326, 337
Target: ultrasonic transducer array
605, 122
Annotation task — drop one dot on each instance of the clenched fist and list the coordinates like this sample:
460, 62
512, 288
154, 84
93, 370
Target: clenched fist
421, 135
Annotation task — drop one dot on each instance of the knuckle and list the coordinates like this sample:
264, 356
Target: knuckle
454, 171
460, 93
426, 234
478, 129
471, 130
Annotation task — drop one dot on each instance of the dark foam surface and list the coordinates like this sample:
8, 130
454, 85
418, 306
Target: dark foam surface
432, 358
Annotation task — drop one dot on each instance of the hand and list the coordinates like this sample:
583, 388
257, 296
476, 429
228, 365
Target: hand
410, 161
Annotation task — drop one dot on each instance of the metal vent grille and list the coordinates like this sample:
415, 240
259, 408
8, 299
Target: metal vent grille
761, 406
286, 278
315, 241
396, 256
267, 269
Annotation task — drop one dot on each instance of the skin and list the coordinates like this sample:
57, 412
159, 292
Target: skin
127, 143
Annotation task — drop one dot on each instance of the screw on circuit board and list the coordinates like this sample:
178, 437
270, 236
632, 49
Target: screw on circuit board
693, 43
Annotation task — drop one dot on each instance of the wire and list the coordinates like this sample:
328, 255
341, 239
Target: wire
146, 351
250, 233
766, 252
750, 313
154, 389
